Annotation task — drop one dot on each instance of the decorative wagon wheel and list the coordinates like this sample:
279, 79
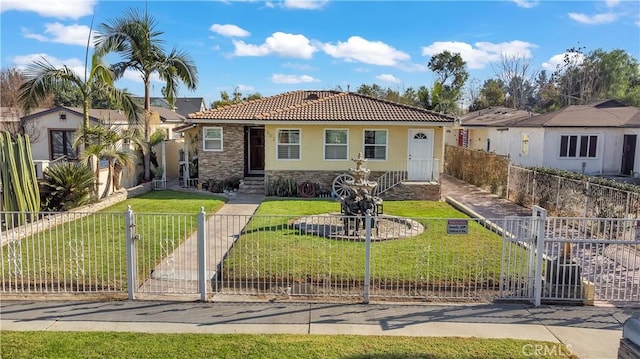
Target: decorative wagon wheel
339, 186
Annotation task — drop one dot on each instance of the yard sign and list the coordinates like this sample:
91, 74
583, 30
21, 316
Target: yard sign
457, 226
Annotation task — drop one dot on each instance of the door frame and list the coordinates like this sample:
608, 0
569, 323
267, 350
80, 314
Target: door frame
423, 172
248, 169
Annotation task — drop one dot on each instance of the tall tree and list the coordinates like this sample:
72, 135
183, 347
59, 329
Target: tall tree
587, 76
11, 79
451, 73
135, 37
517, 74
226, 100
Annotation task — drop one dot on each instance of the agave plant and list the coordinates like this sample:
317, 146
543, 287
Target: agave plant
67, 185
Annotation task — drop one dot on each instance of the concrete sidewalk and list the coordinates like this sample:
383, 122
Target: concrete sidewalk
589, 332
476, 202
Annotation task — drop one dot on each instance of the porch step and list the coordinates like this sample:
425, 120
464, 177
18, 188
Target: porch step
252, 185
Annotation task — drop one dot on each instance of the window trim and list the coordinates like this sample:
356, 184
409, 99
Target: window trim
386, 145
277, 139
324, 144
578, 146
204, 139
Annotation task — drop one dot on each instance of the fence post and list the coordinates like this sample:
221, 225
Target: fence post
626, 207
586, 199
508, 178
132, 272
540, 221
202, 256
367, 257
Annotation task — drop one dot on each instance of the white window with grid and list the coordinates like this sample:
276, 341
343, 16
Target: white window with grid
336, 144
212, 138
375, 144
288, 144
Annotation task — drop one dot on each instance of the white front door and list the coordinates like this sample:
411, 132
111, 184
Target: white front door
420, 161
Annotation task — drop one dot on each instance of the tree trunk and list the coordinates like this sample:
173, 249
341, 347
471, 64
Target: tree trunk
107, 187
147, 129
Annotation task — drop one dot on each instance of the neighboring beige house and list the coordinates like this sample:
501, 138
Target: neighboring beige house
314, 135
600, 138
57, 127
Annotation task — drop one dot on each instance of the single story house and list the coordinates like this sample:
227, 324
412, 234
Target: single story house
313, 136
486, 129
600, 138
57, 127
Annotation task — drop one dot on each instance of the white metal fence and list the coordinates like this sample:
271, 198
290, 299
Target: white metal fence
323, 256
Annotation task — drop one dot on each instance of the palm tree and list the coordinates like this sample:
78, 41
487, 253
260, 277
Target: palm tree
135, 38
43, 79
106, 143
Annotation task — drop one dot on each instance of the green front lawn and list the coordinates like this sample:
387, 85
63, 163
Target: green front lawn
89, 253
140, 345
272, 250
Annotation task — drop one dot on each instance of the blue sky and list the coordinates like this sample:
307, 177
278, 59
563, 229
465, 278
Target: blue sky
277, 46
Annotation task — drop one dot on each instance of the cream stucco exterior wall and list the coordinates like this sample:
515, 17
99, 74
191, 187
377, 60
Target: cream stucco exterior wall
312, 148
40, 150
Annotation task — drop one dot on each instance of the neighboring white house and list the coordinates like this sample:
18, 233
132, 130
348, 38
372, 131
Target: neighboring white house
57, 127
599, 138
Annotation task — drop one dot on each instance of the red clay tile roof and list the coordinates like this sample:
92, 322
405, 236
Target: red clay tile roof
321, 106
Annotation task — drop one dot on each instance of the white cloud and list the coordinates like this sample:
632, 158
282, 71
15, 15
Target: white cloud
278, 44
135, 76
368, 52
558, 60
612, 3
483, 53
229, 30
245, 88
527, 4
389, 78
292, 79
595, 19
22, 62
29, 35
64, 9
59, 33
305, 4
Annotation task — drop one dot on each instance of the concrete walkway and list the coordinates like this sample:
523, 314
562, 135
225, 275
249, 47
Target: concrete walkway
589, 332
478, 203
178, 273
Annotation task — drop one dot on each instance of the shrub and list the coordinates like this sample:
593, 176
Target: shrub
66, 185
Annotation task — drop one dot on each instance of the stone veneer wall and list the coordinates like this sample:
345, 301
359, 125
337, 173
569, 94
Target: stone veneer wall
227, 163
420, 191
